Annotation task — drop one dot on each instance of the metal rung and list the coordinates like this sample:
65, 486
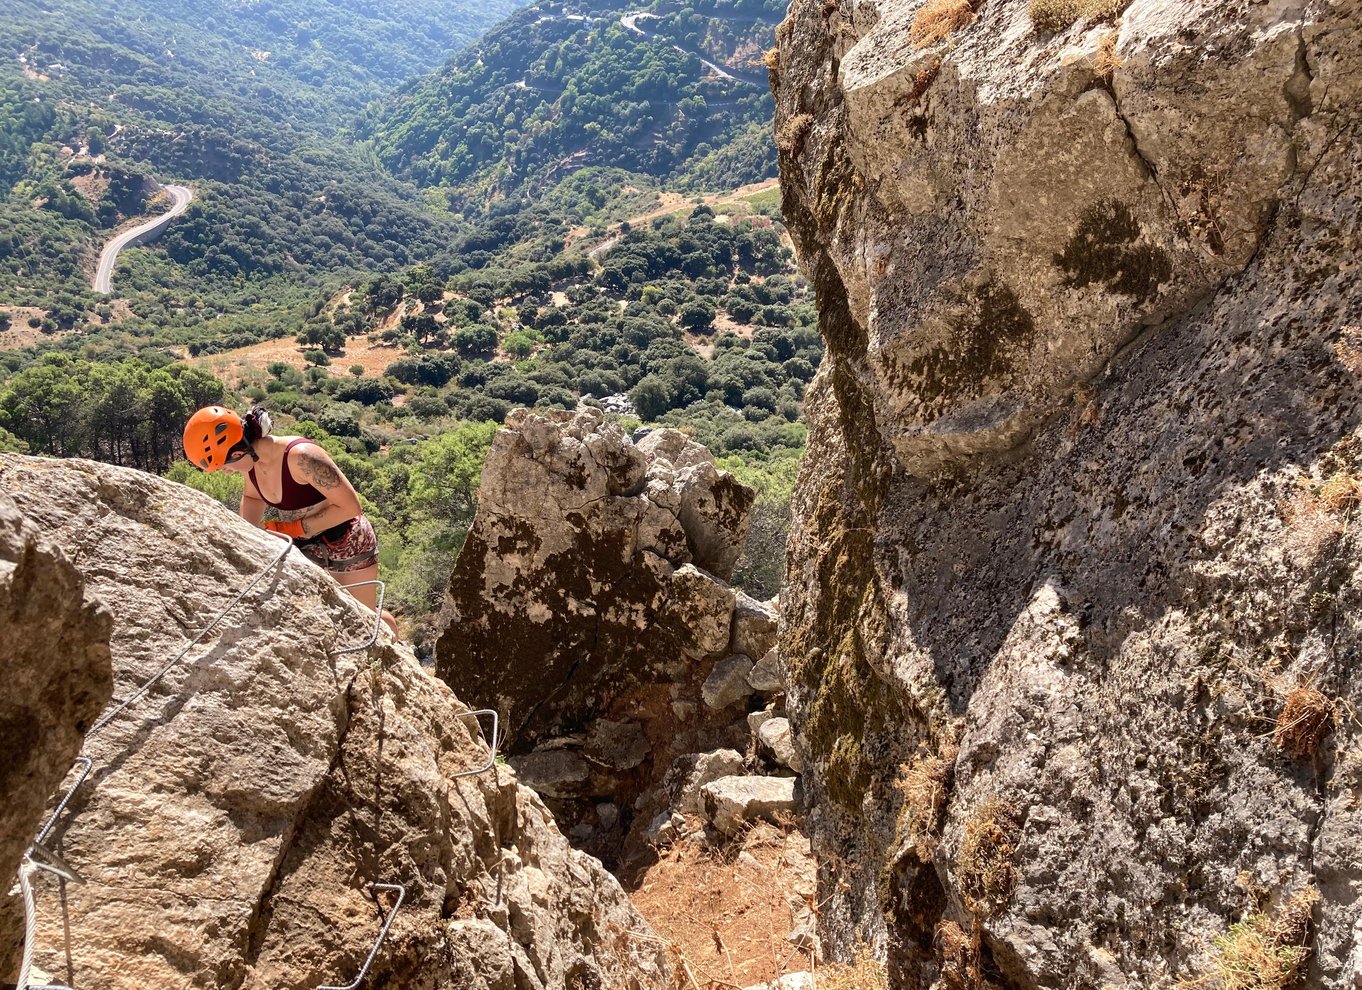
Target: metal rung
378, 619
492, 757
401, 891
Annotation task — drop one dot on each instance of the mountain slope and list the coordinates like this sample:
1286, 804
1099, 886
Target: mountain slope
554, 89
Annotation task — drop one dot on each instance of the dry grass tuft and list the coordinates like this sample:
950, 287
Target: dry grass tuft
790, 135
925, 785
1053, 16
1306, 718
772, 58
939, 19
1263, 953
1106, 61
1311, 514
863, 974
1348, 349
954, 955
984, 863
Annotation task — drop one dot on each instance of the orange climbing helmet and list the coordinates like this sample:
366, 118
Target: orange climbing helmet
211, 435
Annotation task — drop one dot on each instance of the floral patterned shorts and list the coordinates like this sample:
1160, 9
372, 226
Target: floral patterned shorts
351, 546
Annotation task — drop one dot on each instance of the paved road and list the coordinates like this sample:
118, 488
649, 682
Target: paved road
180, 196
630, 23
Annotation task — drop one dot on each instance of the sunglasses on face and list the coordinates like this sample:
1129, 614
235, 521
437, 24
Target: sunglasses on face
235, 456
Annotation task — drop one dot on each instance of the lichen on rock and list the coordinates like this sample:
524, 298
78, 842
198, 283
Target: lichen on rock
1081, 297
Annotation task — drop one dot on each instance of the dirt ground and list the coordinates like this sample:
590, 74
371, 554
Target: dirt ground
727, 916
246, 362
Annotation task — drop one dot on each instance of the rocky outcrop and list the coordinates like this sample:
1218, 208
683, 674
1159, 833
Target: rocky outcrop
58, 678
1074, 519
594, 565
238, 814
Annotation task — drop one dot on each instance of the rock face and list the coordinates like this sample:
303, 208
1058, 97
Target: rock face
1073, 521
237, 815
592, 564
58, 678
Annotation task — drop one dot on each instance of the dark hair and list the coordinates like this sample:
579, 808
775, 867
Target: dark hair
256, 424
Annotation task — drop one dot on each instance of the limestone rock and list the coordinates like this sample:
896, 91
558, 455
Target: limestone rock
1085, 297
754, 626
775, 739
57, 678
578, 581
755, 720
732, 802
727, 682
237, 815
768, 674
617, 745
554, 772
701, 605
691, 772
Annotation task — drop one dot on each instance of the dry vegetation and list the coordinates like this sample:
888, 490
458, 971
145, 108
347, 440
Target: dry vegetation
1262, 952
939, 19
925, 785
1052, 16
984, 863
1306, 718
863, 974
1316, 514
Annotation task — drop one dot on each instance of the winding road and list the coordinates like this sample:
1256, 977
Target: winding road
180, 197
630, 23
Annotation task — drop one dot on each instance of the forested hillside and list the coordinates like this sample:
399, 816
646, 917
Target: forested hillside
581, 237
556, 88
97, 106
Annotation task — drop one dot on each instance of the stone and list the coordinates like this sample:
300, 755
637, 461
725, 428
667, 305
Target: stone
727, 682
776, 741
617, 745
790, 981
268, 780
608, 814
768, 674
665, 828
704, 604
1053, 484
58, 676
732, 802
755, 720
691, 772
559, 773
578, 580
754, 626
683, 710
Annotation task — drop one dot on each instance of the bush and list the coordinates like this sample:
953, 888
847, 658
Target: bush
366, 391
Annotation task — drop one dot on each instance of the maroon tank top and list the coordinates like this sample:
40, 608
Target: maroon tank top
295, 495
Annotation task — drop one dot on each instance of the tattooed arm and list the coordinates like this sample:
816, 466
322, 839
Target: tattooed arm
309, 462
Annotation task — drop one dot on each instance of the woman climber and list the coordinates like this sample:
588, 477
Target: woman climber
316, 504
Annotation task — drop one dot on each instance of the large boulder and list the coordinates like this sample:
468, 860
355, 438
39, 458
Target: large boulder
238, 814
731, 803
592, 567
57, 678
1076, 522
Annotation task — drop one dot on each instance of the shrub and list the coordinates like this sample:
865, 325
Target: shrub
1051, 16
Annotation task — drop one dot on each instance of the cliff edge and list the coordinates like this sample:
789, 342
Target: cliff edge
1070, 612
239, 814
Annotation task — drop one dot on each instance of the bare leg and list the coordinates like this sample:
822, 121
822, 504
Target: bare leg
367, 595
